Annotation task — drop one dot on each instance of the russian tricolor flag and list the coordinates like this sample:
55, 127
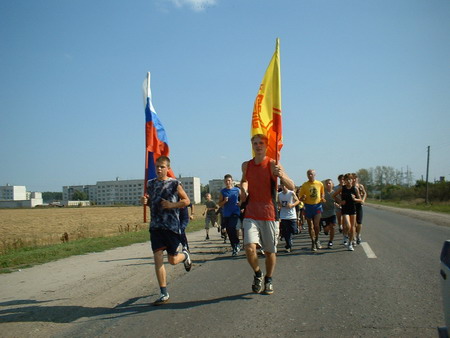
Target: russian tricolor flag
155, 136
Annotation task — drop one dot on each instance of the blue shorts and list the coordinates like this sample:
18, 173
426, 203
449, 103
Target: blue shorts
311, 210
165, 240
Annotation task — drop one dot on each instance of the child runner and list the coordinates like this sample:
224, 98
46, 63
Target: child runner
287, 201
210, 211
229, 200
165, 197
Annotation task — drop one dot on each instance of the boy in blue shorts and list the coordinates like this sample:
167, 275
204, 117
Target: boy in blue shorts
229, 201
312, 194
165, 196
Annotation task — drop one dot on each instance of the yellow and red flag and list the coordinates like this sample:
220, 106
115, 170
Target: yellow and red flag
266, 118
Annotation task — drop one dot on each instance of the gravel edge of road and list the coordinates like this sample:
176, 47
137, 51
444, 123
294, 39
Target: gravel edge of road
429, 216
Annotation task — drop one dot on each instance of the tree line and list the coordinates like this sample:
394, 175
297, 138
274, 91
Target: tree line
387, 183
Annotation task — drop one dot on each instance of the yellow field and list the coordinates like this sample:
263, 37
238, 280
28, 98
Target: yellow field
25, 227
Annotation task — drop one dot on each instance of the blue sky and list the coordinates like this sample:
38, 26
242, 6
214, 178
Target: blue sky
364, 83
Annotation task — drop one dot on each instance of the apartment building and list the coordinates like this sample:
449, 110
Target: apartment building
215, 186
13, 192
126, 192
17, 196
192, 187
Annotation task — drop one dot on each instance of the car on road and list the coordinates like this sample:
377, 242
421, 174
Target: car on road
445, 286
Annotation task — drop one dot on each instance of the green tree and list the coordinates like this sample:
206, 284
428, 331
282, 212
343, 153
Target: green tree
49, 197
364, 177
79, 196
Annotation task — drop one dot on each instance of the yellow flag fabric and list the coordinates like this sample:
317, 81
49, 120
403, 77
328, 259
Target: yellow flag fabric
266, 118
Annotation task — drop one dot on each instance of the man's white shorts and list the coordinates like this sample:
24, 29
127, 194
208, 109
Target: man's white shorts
264, 233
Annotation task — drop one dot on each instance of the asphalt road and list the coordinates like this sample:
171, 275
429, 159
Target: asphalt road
390, 289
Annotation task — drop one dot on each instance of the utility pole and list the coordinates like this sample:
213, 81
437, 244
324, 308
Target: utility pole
428, 167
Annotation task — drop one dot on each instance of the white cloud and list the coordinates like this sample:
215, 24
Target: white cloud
196, 5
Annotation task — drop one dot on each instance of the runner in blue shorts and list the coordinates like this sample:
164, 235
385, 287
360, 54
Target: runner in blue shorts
312, 193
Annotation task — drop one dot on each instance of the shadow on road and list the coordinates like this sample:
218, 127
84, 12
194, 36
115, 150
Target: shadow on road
71, 313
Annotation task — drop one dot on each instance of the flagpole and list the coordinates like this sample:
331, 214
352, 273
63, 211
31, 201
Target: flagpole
146, 154
145, 184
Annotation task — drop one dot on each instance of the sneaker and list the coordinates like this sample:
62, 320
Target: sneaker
163, 298
234, 253
238, 248
358, 240
268, 288
288, 250
350, 247
330, 244
345, 240
257, 285
187, 262
318, 245
313, 247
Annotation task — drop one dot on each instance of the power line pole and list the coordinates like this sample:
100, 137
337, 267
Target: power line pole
428, 167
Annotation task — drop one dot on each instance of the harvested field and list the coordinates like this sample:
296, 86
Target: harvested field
37, 227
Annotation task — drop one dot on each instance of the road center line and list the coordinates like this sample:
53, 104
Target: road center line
369, 252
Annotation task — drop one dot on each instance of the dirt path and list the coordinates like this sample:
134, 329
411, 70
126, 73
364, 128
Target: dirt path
44, 300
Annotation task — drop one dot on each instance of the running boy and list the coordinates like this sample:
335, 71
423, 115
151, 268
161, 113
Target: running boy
210, 211
165, 196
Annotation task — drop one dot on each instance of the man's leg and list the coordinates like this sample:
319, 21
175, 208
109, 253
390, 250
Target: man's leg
358, 233
176, 259
317, 230
252, 256
311, 228
311, 231
160, 270
252, 259
271, 259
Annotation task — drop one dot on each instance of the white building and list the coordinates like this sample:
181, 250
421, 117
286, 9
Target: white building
192, 187
13, 192
214, 188
127, 192
17, 196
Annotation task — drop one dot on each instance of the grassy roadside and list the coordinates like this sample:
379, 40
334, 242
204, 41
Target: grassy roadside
27, 257
435, 207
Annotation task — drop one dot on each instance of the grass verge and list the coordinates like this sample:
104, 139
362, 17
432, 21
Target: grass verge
435, 207
27, 257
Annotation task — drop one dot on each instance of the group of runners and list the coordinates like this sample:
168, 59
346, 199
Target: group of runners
324, 206
253, 207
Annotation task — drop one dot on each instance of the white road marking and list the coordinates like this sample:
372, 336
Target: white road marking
369, 252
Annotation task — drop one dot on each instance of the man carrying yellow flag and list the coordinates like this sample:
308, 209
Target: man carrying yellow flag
259, 178
266, 118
